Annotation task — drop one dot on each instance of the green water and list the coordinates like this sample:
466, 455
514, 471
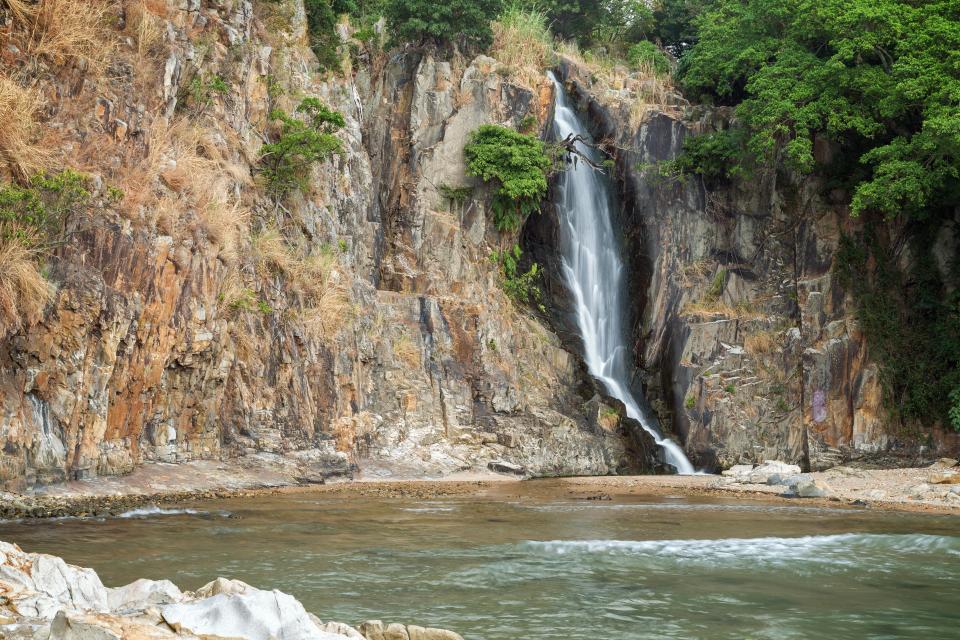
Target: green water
521, 567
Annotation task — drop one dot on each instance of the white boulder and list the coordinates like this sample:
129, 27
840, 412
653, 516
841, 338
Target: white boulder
249, 615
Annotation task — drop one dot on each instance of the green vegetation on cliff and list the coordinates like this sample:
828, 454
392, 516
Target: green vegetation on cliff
517, 163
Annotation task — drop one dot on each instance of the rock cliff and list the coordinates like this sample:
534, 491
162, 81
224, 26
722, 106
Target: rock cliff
360, 322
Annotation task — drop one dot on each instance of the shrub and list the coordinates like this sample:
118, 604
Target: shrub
43, 212
423, 21
286, 163
521, 287
518, 164
202, 89
32, 219
647, 56
716, 157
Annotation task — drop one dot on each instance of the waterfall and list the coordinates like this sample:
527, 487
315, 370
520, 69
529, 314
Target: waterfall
594, 274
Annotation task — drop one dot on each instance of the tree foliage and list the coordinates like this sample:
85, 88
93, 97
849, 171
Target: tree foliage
517, 163
455, 21
302, 142
879, 76
322, 31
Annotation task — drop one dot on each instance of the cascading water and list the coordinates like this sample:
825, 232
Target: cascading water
593, 272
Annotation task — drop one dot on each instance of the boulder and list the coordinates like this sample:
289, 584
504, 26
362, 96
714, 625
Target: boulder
761, 473
250, 615
945, 477
143, 593
810, 488
421, 633
738, 470
944, 463
501, 466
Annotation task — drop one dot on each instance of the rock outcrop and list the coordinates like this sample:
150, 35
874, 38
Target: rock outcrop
43, 598
359, 322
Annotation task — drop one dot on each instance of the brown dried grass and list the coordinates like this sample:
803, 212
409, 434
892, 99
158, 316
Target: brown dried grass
147, 28
760, 343
314, 279
69, 32
19, 130
406, 351
24, 292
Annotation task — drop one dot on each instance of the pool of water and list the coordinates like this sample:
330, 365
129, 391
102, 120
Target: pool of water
517, 566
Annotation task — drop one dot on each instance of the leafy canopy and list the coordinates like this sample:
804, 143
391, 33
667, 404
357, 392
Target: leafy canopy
423, 21
878, 76
517, 163
286, 163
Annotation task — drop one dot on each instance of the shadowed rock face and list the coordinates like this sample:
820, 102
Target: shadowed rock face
751, 347
428, 369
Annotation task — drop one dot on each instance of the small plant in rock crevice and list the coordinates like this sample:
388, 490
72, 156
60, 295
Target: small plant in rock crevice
520, 286
301, 143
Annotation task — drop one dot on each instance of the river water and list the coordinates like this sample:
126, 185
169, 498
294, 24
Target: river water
518, 565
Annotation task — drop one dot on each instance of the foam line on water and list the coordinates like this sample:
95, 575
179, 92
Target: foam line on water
847, 548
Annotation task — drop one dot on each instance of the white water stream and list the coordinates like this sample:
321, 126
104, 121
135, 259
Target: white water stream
593, 271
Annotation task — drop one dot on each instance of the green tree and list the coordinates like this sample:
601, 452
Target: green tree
322, 31
517, 163
454, 21
878, 76
303, 142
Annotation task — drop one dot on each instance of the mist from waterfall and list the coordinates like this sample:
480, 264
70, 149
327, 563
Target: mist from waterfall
594, 274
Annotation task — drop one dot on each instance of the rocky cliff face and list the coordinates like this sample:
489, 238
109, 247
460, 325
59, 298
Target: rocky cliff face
360, 323
751, 347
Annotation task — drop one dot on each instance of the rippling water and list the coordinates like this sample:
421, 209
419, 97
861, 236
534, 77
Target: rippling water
522, 567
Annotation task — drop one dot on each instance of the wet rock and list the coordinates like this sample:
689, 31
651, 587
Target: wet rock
501, 466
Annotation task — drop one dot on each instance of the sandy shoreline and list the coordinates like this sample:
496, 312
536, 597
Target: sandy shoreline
889, 489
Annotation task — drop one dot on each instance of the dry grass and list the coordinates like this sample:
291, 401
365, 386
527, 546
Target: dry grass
522, 43
67, 32
314, 279
147, 28
19, 130
187, 171
20, 10
405, 351
760, 342
24, 292
710, 309
647, 90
